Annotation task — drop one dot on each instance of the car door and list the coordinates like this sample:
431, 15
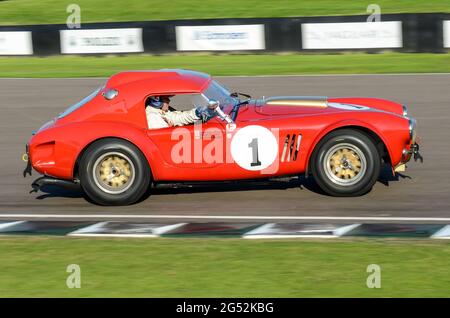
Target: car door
190, 152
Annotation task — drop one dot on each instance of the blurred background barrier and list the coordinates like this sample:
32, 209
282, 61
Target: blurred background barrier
422, 32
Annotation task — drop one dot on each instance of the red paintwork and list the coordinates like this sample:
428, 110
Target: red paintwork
55, 148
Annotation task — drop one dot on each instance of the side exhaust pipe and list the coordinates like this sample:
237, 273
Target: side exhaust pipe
47, 180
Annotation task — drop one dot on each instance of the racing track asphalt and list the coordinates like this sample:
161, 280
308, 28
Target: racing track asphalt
25, 104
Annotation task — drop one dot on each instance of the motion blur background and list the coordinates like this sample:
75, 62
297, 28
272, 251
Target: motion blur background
223, 37
44, 44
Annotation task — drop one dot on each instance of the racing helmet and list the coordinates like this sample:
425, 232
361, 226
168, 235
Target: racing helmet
155, 102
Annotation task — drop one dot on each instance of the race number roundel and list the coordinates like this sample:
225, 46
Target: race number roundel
254, 147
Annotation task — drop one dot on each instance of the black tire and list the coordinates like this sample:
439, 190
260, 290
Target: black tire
336, 174
129, 174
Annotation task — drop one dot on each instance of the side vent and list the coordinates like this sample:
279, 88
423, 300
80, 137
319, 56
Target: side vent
291, 147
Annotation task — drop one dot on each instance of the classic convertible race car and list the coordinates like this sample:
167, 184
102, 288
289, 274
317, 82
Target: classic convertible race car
104, 143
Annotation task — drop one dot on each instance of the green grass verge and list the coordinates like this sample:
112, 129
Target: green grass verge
36, 267
54, 11
76, 66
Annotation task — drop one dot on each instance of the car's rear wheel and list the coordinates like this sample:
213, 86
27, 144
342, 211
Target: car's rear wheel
114, 172
346, 163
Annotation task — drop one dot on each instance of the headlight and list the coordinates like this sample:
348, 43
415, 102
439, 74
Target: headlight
412, 130
405, 110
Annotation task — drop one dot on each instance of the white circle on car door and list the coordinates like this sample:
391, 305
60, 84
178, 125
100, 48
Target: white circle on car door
254, 147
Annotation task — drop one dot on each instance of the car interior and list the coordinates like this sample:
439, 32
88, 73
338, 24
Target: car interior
180, 102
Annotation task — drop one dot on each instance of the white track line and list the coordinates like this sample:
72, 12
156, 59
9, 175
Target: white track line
91, 229
263, 232
443, 233
115, 235
341, 231
164, 229
10, 224
219, 217
88, 229
282, 236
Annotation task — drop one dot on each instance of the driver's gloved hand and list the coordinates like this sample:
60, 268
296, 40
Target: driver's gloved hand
205, 113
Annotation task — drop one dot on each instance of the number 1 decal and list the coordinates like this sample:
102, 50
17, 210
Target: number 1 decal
256, 141
255, 158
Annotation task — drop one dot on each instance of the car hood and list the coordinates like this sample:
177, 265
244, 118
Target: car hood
285, 105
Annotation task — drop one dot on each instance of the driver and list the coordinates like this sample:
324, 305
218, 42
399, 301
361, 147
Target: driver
159, 114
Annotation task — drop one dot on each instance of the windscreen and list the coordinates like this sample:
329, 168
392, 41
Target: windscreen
219, 93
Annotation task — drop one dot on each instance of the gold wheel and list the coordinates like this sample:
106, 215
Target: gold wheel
113, 172
345, 164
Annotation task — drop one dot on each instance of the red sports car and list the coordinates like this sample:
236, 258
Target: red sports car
104, 143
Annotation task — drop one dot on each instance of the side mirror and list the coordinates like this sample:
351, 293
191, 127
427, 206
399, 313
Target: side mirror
213, 104
110, 94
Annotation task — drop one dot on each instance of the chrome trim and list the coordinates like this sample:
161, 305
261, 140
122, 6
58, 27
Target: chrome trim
406, 155
412, 152
405, 110
412, 130
110, 94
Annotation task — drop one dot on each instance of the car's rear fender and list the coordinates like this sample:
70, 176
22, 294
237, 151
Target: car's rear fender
71, 140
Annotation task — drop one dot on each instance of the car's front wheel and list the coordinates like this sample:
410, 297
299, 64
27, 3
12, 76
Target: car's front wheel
346, 163
114, 172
